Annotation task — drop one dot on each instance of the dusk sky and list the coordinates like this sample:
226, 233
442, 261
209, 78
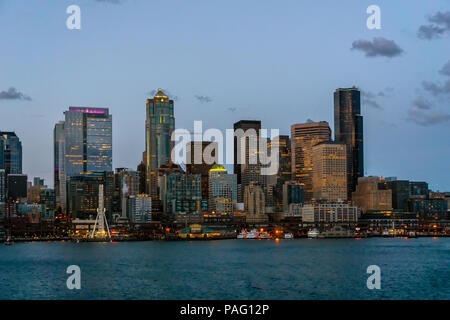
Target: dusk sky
224, 61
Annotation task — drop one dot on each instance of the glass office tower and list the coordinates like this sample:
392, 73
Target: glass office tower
159, 125
348, 130
11, 153
87, 140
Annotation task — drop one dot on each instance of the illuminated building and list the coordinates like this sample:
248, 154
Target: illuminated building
222, 190
10, 153
329, 178
304, 137
284, 174
159, 125
59, 178
87, 140
372, 195
330, 212
348, 130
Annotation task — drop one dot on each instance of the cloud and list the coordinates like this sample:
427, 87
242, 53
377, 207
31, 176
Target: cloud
203, 99
445, 69
378, 47
435, 88
370, 98
421, 103
440, 24
429, 32
427, 117
13, 94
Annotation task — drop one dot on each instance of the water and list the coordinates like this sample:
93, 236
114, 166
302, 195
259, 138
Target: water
229, 269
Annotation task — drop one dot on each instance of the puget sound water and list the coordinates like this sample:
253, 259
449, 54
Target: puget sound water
229, 269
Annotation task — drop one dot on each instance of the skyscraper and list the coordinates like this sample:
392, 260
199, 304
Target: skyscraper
284, 173
348, 130
87, 140
11, 153
58, 163
198, 148
83, 194
159, 125
222, 190
329, 172
245, 150
304, 137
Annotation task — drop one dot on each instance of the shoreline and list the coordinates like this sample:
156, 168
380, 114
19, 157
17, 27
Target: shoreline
116, 240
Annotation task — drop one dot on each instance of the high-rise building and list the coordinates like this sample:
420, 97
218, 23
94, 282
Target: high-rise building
197, 149
82, 143
11, 153
247, 165
139, 208
329, 176
16, 187
126, 183
58, 164
284, 173
87, 140
348, 130
2, 185
281, 143
293, 194
372, 194
254, 200
222, 190
181, 193
304, 137
83, 194
159, 125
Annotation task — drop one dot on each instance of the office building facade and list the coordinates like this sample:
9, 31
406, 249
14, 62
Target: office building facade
304, 137
159, 125
348, 130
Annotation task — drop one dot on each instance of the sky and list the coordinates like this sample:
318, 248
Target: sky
225, 61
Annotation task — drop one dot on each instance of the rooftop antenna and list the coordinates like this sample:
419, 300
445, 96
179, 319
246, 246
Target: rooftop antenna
101, 221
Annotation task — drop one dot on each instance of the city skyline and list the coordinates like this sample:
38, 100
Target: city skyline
234, 83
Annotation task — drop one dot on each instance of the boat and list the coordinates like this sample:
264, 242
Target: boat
288, 235
8, 241
313, 234
254, 234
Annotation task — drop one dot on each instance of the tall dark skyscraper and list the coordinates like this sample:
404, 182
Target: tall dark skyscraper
11, 153
198, 148
159, 125
246, 171
348, 130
